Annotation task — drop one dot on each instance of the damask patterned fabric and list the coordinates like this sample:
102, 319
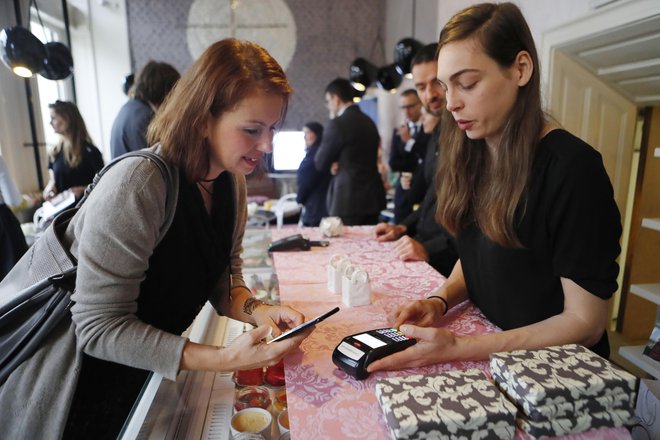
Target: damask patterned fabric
450, 405
564, 389
572, 372
581, 423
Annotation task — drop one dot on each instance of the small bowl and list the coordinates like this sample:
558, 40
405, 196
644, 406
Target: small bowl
252, 420
252, 397
283, 421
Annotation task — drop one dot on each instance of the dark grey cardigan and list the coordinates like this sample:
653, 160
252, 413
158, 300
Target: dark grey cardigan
112, 236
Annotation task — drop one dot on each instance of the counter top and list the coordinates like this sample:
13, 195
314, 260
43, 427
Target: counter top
324, 402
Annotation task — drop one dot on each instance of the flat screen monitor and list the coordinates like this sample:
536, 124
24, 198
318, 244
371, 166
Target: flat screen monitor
288, 150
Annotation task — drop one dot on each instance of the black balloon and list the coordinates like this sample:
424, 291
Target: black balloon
362, 73
20, 48
404, 52
389, 78
58, 63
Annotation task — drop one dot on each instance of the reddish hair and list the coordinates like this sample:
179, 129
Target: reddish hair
225, 74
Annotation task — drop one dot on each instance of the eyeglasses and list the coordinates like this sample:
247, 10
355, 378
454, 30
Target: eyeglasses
409, 106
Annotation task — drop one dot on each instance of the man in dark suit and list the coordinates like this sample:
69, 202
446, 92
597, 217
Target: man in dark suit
351, 139
407, 151
419, 237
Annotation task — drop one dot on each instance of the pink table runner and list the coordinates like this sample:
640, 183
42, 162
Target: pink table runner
323, 401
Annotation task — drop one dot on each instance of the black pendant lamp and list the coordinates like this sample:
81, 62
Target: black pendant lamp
21, 51
362, 74
58, 63
389, 78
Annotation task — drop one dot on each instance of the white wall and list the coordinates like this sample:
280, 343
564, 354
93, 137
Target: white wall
540, 15
99, 34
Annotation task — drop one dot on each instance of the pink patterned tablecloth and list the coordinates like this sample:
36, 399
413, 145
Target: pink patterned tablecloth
324, 402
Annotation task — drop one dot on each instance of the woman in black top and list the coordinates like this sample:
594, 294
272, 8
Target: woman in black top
74, 161
312, 183
531, 205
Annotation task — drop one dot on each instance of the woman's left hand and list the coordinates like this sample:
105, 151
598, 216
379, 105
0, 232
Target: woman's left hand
433, 345
279, 318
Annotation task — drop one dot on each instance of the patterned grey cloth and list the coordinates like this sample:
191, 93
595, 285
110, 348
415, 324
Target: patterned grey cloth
572, 372
450, 405
583, 422
565, 407
564, 389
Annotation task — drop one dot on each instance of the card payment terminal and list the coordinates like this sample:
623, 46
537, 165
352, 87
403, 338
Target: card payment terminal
355, 352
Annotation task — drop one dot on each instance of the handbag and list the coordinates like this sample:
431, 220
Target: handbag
29, 314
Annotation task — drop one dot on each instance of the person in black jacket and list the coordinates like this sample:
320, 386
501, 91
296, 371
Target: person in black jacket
312, 183
407, 150
351, 139
419, 237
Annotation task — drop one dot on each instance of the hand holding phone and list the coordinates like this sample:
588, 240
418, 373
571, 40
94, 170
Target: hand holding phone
304, 325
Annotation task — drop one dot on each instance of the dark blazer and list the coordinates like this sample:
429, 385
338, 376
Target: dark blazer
312, 189
406, 161
421, 224
357, 189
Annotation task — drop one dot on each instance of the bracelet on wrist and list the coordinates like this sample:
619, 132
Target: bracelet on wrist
251, 303
443, 300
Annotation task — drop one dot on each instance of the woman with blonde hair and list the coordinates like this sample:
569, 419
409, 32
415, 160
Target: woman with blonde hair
74, 160
135, 294
530, 205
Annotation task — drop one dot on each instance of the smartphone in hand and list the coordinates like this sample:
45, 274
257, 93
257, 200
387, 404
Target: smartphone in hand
303, 326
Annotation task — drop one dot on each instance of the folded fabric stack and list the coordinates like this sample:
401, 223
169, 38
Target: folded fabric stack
450, 405
564, 390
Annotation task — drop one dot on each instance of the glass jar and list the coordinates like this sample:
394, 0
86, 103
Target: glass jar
279, 401
252, 397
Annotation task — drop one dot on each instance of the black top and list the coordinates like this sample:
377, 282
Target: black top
184, 268
82, 175
570, 228
312, 189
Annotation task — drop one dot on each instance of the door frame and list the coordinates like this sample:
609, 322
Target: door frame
600, 21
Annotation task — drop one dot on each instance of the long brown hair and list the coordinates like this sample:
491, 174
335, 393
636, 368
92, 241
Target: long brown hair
472, 185
226, 73
74, 137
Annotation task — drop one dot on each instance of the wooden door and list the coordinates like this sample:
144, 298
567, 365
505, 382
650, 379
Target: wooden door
591, 110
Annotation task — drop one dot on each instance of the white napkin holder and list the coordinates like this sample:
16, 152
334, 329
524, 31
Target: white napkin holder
335, 271
331, 226
355, 290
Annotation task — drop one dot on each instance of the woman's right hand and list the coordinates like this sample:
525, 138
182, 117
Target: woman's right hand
422, 313
251, 351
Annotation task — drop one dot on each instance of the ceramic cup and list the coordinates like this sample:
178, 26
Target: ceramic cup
256, 420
